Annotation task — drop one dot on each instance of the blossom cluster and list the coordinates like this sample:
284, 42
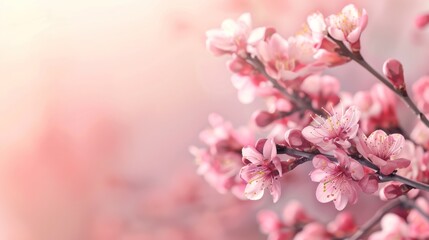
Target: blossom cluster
354, 141
296, 223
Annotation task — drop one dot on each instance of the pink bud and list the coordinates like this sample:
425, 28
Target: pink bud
393, 190
393, 70
295, 139
422, 20
268, 221
263, 118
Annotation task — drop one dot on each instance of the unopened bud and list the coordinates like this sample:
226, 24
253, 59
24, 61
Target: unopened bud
295, 139
393, 70
264, 118
394, 190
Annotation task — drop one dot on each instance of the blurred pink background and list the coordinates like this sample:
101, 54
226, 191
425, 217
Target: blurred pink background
102, 98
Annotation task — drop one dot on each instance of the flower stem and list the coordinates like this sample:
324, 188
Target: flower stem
358, 58
300, 102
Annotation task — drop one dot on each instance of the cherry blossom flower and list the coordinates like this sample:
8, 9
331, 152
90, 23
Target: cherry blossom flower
334, 132
338, 181
420, 134
421, 93
378, 108
418, 226
348, 25
262, 171
231, 37
343, 225
392, 227
326, 49
288, 59
221, 161
381, 149
295, 214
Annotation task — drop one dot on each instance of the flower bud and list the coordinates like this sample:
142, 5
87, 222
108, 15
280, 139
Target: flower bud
393, 190
393, 71
264, 118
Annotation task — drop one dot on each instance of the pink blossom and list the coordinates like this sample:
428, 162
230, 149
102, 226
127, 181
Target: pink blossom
378, 108
262, 171
392, 227
419, 225
314, 231
420, 134
223, 137
295, 214
348, 25
295, 139
231, 37
269, 221
419, 167
220, 162
343, 225
334, 132
382, 149
338, 181
421, 93
317, 25
323, 90
288, 59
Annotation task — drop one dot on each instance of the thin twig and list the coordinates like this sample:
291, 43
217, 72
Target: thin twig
357, 57
302, 103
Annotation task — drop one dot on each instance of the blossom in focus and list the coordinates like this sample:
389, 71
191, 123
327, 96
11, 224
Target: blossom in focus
392, 227
334, 132
382, 149
262, 171
231, 37
421, 93
348, 25
338, 182
288, 59
293, 218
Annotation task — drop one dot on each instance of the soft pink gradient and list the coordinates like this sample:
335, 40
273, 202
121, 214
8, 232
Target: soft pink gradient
101, 99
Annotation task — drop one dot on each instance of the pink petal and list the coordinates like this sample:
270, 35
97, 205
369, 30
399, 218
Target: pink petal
275, 190
356, 170
318, 175
341, 202
254, 190
270, 150
252, 155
